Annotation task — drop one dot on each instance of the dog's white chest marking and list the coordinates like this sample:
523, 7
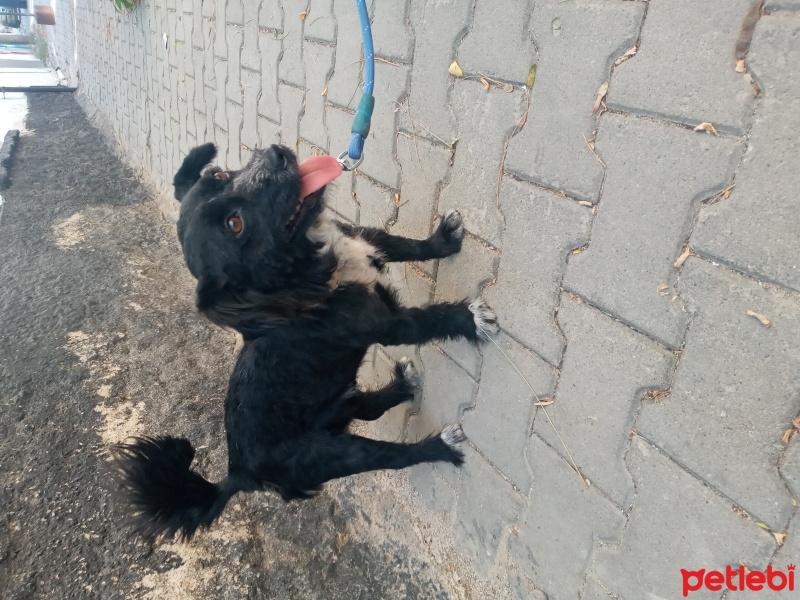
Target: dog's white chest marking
356, 257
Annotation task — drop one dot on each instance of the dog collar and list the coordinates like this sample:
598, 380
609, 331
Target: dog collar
317, 172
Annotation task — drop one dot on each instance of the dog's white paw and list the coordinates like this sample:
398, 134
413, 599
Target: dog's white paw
409, 373
453, 223
485, 319
452, 435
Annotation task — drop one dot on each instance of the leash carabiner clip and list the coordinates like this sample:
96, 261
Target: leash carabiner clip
349, 164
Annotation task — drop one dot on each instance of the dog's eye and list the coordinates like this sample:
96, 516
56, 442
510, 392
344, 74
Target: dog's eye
234, 224
222, 175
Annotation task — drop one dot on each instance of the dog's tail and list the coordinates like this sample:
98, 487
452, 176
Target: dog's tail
164, 496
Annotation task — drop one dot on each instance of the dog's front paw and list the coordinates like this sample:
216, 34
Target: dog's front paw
453, 436
485, 318
405, 371
450, 233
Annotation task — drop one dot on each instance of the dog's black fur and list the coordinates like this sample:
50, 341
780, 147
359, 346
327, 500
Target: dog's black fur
271, 266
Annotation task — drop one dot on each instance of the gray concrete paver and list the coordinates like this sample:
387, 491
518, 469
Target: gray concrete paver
500, 423
377, 206
541, 228
291, 68
577, 42
654, 216
677, 523
556, 551
464, 275
391, 31
698, 36
485, 121
318, 64
595, 415
722, 426
487, 505
763, 203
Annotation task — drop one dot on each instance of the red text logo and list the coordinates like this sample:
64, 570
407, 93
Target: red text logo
738, 580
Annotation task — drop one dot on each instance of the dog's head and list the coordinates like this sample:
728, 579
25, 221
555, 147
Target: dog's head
243, 235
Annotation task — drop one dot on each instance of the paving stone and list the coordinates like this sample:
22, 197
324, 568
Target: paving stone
415, 288
773, 5
220, 85
251, 87
291, 67
700, 37
762, 205
380, 148
269, 49
235, 118
234, 12
344, 87
292, 101
552, 550
605, 370
487, 505
250, 56
447, 392
197, 29
320, 23
676, 523
378, 206
790, 466
735, 390
391, 34
272, 16
787, 554
541, 228
577, 42
465, 354
595, 590
220, 43
269, 133
428, 112
494, 20
375, 375
485, 122
500, 424
431, 487
233, 89
523, 588
319, 64
653, 217
423, 168
464, 275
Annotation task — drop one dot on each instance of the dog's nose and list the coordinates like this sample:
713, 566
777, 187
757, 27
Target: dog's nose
276, 156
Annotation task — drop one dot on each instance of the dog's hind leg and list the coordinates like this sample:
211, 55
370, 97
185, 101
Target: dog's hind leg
321, 458
445, 241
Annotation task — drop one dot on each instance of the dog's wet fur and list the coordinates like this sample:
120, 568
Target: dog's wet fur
309, 297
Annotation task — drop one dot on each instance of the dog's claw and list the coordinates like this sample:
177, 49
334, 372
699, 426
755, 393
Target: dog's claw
485, 319
453, 224
406, 371
452, 435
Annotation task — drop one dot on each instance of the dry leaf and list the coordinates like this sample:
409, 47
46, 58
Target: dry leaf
575, 298
740, 66
302, 16
787, 435
590, 143
764, 320
683, 258
726, 193
486, 84
779, 537
531, 78
762, 525
506, 87
663, 289
545, 402
585, 203
748, 27
397, 197
601, 93
577, 250
325, 91
626, 56
455, 70
796, 423
706, 127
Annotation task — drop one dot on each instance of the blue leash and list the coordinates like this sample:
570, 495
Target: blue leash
361, 122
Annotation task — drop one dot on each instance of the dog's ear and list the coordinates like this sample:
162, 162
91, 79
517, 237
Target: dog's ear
189, 172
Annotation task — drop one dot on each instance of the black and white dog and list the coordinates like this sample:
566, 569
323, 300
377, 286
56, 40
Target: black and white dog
309, 296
